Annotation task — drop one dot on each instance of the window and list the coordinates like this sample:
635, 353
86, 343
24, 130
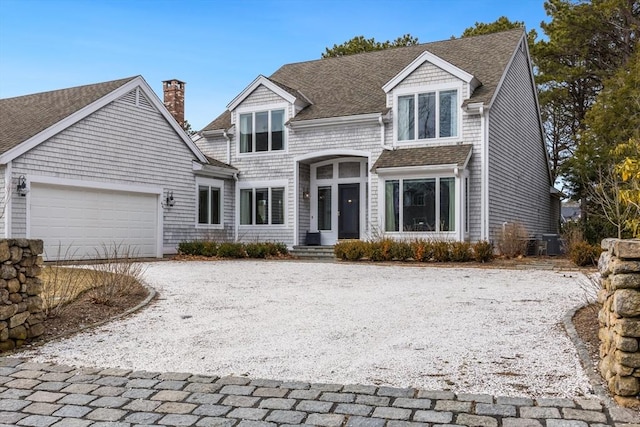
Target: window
262, 206
209, 202
324, 207
422, 204
436, 115
262, 131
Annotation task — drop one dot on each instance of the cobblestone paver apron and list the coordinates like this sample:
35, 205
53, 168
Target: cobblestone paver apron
42, 395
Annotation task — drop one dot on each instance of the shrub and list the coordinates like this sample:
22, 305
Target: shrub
482, 251
460, 251
115, 274
441, 251
512, 240
194, 247
350, 250
401, 250
583, 254
422, 250
281, 248
209, 249
256, 250
380, 250
231, 250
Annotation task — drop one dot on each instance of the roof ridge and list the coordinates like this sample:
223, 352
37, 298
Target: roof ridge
373, 52
124, 80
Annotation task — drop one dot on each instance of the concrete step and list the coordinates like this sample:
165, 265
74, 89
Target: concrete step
316, 252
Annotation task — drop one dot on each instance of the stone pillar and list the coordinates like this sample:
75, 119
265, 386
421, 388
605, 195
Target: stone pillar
619, 317
21, 314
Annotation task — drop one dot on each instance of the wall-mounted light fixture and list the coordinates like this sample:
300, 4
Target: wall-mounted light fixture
305, 193
22, 185
169, 202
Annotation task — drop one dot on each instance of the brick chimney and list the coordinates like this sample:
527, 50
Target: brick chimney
174, 99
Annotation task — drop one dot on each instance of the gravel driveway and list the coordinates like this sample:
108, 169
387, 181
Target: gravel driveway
467, 330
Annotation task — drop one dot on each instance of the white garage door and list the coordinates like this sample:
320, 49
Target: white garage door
80, 221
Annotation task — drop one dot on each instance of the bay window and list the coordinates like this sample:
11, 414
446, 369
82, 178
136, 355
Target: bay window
262, 206
420, 204
262, 131
436, 115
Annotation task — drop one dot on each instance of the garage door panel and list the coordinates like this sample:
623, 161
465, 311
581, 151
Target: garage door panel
82, 221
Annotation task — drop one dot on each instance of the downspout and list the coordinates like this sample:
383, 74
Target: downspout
8, 172
237, 207
484, 204
226, 136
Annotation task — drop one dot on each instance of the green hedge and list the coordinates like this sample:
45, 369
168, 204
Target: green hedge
419, 250
208, 248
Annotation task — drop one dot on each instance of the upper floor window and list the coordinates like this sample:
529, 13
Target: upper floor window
436, 115
262, 131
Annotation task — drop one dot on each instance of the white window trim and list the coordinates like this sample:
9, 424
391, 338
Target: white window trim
415, 90
216, 183
253, 185
458, 233
261, 109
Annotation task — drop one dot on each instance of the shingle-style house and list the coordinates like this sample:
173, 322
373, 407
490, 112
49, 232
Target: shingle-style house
103, 164
438, 140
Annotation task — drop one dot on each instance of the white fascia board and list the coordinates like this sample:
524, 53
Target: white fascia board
474, 107
438, 62
210, 170
260, 80
213, 133
333, 121
98, 185
402, 170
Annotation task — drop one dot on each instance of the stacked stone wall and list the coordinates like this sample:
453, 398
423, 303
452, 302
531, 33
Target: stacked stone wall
21, 315
619, 316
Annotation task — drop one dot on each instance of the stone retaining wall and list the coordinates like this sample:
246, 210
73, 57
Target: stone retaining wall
619, 316
21, 314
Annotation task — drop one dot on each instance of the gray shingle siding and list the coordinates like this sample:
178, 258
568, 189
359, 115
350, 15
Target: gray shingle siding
518, 172
125, 144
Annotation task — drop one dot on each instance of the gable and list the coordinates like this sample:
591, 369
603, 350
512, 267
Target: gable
261, 96
417, 69
39, 117
23, 117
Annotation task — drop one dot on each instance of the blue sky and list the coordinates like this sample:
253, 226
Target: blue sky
216, 47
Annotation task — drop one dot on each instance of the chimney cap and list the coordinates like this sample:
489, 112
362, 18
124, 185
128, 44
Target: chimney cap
173, 80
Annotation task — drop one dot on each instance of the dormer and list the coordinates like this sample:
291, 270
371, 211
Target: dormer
260, 112
426, 99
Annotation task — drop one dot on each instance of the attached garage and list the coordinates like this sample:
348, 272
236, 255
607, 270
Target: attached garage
79, 221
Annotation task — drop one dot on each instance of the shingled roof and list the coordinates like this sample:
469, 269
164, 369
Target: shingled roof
25, 116
352, 85
432, 156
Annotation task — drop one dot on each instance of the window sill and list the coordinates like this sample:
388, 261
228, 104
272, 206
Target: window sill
209, 226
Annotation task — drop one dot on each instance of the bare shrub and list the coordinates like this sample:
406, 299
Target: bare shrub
61, 285
115, 274
512, 240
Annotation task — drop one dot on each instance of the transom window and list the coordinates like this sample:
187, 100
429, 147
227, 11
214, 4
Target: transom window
262, 131
436, 115
262, 206
422, 204
210, 202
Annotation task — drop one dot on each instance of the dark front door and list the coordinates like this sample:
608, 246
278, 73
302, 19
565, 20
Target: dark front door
348, 211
